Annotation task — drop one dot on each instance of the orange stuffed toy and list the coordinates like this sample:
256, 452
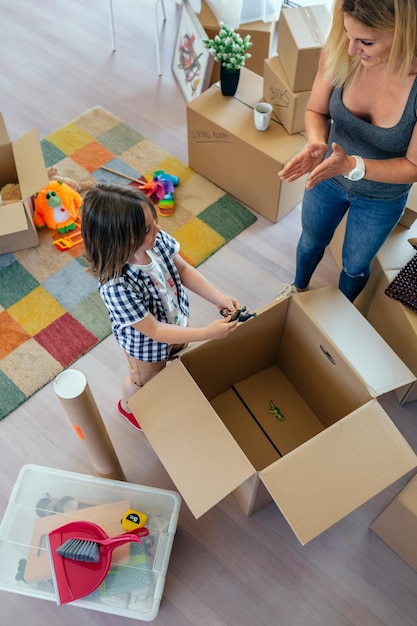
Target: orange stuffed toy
57, 207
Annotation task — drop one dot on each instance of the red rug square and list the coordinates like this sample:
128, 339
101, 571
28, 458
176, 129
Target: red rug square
65, 339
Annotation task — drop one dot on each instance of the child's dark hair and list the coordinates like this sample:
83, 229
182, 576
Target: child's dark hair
113, 226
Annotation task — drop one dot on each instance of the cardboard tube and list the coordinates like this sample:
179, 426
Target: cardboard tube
72, 389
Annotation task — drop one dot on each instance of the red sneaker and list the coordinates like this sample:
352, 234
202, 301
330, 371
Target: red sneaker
129, 416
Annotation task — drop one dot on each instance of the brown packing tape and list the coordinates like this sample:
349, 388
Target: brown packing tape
312, 25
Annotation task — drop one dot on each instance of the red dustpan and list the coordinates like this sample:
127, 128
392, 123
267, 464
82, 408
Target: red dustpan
75, 579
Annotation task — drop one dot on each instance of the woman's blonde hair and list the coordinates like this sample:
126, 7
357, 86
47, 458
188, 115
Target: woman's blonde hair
397, 16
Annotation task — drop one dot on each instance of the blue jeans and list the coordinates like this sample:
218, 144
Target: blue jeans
369, 224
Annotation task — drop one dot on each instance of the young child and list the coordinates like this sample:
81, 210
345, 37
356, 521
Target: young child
142, 280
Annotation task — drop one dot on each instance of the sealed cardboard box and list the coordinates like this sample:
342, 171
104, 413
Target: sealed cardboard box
235, 12
289, 106
261, 33
44, 498
397, 524
284, 408
397, 324
22, 163
225, 147
302, 32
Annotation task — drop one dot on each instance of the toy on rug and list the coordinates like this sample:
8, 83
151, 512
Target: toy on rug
79, 187
161, 187
69, 241
10, 193
57, 207
166, 204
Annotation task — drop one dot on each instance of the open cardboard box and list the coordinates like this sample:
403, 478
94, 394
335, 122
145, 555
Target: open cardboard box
318, 359
393, 255
397, 324
225, 147
21, 162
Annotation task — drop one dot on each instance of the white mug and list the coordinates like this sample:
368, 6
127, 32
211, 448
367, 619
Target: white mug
262, 115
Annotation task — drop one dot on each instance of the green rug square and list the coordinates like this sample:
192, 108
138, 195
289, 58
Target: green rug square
92, 314
51, 153
11, 396
15, 284
120, 138
227, 217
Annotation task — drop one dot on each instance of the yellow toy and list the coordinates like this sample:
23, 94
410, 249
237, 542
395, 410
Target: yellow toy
133, 519
57, 206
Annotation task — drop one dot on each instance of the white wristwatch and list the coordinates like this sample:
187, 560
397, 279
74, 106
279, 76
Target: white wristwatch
358, 171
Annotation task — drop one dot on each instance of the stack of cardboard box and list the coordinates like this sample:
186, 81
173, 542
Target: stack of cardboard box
225, 147
288, 77
223, 144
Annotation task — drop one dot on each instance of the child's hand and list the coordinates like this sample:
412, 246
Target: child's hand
219, 329
228, 302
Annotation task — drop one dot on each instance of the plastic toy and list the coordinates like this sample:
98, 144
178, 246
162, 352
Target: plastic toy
275, 411
71, 240
133, 519
161, 186
240, 314
57, 207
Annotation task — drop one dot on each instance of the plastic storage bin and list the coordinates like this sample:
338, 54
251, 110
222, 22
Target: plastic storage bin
44, 498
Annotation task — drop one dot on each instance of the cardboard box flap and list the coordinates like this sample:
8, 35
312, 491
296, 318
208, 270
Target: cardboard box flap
4, 135
12, 219
328, 477
30, 164
373, 359
198, 452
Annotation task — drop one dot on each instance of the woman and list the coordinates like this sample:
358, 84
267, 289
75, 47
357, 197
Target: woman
361, 151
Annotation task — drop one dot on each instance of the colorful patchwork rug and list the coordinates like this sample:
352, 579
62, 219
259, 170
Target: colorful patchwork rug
50, 310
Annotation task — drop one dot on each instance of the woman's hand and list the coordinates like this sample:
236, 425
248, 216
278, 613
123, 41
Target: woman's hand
304, 162
337, 164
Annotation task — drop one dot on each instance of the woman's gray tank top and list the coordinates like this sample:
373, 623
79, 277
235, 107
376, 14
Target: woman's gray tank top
356, 136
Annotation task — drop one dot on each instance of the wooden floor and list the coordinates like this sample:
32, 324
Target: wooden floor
225, 569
